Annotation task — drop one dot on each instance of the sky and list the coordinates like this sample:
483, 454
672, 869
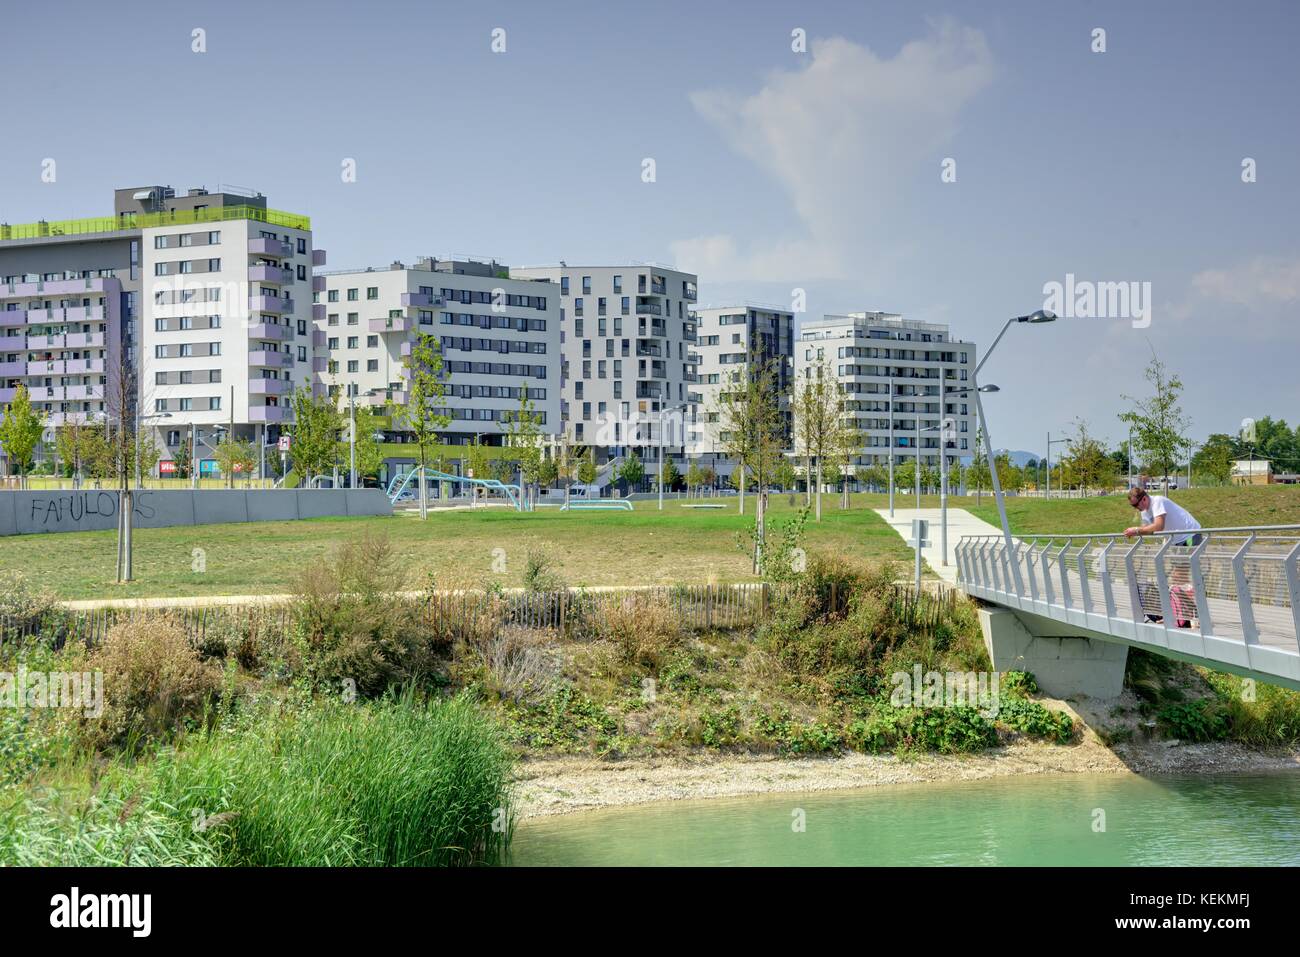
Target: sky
946, 161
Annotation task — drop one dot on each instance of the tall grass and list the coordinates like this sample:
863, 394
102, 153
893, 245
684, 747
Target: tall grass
393, 783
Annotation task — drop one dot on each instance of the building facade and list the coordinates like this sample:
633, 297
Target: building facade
189, 315
891, 368
726, 337
627, 340
499, 337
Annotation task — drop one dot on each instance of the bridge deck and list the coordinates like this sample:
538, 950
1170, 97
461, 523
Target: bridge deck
1238, 587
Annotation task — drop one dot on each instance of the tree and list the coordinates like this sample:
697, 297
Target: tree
1086, 460
751, 430
21, 431
147, 452
631, 471
818, 410
523, 428
585, 468
424, 415
671, 473
785, 475
1158, 422
1214, 459
477, 464
184, 459
74, 440
236, 457
978, 470
316, 426
369, 452
549, 472
695, 478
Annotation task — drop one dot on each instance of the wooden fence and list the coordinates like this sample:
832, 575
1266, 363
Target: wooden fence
575, 613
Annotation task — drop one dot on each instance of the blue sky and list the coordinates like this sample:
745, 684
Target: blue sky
775, 170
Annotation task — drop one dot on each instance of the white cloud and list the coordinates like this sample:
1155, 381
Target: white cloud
1258, 284
842, 137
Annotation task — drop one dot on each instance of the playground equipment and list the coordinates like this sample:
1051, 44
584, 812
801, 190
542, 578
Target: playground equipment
400, 483
703, 505
597, 504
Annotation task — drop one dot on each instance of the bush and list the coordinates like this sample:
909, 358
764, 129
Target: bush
540, 574
644, 628
1196, 721
154, 682
518, 664
950, 730
1271, 719
23, 606
1031, 718
352, 632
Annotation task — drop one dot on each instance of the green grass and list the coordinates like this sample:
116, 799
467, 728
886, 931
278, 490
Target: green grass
590, 548
1213, 508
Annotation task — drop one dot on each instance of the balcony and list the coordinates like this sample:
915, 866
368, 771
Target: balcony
60, 287
8, 369
386, 397
269, 413
318, 338
317, 283
7, 396
689, 292
65, 367
648, 390
392, 324
276, 275
267, 359
271, 331
421, 299
13, 317
318, 312
270, 387
269, 304
320, 364
318, 257
269, 247
649, 308
653, 350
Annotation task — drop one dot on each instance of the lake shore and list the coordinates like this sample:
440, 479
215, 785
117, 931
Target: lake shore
550, 786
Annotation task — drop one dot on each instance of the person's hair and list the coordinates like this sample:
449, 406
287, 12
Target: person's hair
1136, 491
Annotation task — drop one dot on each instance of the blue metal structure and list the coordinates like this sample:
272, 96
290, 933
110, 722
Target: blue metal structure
577, 505
400, 483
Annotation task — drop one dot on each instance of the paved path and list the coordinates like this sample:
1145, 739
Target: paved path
960, 522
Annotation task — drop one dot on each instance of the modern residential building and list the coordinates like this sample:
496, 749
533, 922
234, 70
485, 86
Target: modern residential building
198, 301
891, 367
499, 336
627, 336
726, 337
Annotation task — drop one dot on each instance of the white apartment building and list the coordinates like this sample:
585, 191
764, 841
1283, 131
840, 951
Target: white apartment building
627, 338
202, 298
725, 337
891, 367
498, 335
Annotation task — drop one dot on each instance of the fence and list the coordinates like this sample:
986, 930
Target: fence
576, 613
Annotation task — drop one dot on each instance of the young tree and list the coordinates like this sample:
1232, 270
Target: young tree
631, 471
818, 412
236, 457
1158, 422
585, 468
184, 458
316, 427
751, 431
370, 454
1086, 459
786, 476
21, 431
424, 414
75, 442
1214, 459
672, 475
147, 452
548, 473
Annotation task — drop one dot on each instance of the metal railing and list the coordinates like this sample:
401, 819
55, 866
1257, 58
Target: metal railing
1234, 585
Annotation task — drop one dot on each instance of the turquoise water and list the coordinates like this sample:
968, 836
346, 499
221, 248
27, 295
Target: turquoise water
1026, 821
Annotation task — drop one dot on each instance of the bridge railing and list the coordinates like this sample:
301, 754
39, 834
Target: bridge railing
1230, 583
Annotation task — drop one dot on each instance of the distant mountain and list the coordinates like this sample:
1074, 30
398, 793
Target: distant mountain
1018, 457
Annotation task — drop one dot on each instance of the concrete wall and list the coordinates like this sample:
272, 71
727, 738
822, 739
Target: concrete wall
1065, 666
87, 510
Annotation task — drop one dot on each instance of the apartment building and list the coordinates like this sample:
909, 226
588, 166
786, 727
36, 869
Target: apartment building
726, 337
200, 302
901, 369
628, 371
499, 336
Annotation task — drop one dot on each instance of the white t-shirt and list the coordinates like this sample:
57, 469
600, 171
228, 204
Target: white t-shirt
1177, 518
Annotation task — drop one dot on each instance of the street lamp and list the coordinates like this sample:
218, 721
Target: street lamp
943, 467
662, 413
1034, 318
194, 451
890, 405
1050, 442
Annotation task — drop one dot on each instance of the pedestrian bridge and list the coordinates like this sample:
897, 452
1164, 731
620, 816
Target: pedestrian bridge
1236, 593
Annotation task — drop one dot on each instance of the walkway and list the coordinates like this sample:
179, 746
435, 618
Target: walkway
960, 522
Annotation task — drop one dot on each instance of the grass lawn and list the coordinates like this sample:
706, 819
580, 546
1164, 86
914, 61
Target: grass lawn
589, 548
1212, 507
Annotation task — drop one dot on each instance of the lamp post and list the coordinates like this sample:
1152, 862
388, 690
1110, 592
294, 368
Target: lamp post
1040, 316
662, 413
1050, 442
352, 441
943, 468
890, 407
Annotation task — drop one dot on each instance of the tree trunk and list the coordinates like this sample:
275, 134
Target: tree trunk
742, 489
819, 488
760, 509
424, 501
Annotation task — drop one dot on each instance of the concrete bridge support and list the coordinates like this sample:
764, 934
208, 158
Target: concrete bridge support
1066, 662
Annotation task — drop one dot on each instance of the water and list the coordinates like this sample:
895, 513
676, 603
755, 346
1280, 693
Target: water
1011, 821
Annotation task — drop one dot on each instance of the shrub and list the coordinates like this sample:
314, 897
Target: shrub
950, 730
1019, 684
154, 682
519, 664
644, 628
721, 727
1270, 719
23, 606
1196, 721
352, 631
540, 574
1031, 718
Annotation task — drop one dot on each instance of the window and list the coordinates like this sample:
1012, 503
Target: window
214, 265
332, 295
352, 341
332, 342
302, 245
618, 285
372, 292
352, 295
332, 319
564, 285
372, 342
372, 365
353, 318
352, 365
586, 285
